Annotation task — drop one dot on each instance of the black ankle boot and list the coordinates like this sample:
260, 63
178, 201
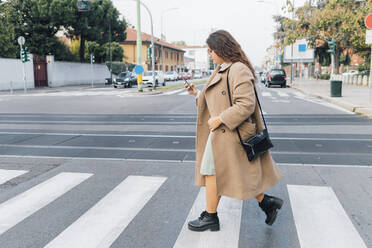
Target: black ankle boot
204, 222
270, 205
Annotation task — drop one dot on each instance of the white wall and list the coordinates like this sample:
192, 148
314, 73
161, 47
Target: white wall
58, 73
70, 73
11, 71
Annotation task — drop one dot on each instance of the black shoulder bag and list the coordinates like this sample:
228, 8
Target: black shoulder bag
258, 144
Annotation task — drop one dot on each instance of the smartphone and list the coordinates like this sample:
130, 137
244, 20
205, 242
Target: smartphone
186, 82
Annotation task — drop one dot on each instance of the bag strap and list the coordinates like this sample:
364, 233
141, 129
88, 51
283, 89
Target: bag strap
231, 104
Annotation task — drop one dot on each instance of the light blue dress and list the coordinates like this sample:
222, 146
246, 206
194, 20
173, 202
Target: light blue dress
207, 164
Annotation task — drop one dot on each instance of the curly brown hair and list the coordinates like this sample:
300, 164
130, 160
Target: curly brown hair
226, 47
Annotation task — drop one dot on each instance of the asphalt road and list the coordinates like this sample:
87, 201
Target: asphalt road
73, 163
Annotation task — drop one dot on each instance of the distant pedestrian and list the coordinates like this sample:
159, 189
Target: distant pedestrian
317, 74
222, 165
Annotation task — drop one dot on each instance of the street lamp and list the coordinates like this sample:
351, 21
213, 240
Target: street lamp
277, 8
161, 35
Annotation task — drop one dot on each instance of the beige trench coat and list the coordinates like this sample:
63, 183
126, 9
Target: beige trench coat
236, 176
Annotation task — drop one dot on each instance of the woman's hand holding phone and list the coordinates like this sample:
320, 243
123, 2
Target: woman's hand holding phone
191, 89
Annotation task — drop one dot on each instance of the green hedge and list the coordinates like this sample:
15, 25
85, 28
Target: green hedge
325, 76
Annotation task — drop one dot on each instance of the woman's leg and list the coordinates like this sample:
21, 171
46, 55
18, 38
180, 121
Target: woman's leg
211, 194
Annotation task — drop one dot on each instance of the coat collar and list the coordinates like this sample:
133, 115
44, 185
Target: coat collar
225, 66
218, 75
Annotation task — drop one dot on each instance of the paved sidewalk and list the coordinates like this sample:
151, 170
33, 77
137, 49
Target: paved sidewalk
354, 98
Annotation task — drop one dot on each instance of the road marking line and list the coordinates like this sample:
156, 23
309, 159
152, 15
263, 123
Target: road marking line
6, 175
184, 93
191, 162
172, 150
320, 219
180, 136
100, 148
25, 204
104, 135
173, 92
229, 210
102, 224
265, 93
191, 122
282, 94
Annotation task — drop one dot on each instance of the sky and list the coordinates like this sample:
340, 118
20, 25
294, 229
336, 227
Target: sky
249, 21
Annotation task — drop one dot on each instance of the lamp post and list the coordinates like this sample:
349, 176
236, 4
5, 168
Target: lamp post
277, 13
161, 35
152, 46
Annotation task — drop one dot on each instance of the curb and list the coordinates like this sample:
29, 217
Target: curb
350, 107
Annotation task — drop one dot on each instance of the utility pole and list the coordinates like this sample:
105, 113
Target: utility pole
152, 46
110, 50
292, 45
139, 45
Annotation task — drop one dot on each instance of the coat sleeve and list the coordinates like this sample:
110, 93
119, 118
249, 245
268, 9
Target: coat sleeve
243, 97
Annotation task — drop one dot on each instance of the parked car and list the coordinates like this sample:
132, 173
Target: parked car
182, 75
147, 78
171, 76
188, 75
276, 77
351, 72
198, 74
125, 80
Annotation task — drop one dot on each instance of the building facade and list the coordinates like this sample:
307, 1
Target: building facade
196, 58
167, 56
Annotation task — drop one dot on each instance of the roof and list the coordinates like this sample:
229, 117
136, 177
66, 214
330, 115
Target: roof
192, 47
132, 36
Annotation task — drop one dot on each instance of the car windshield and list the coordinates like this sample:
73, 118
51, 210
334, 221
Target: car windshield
273, 73
169, 73
149, 73
123, 74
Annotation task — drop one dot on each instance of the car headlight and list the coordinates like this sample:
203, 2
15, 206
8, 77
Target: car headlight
126, 80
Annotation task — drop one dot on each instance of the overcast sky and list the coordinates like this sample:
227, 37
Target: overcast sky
249, 21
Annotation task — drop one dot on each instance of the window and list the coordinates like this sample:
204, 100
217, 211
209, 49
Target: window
166, 54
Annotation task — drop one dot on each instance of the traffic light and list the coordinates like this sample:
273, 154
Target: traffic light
331, 44
24, 54
149, 52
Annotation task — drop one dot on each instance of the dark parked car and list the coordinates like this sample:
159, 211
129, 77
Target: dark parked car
276, 77
125, 80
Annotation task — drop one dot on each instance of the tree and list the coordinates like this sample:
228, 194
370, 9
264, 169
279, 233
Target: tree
93, 25
339, 19
36, 21
179, 43
8, 45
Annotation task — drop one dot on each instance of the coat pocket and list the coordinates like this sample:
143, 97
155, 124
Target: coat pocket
247, 130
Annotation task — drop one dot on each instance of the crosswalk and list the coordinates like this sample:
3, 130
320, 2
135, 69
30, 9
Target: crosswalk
316, 210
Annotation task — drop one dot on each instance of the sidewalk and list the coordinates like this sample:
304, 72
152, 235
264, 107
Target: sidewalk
354, 98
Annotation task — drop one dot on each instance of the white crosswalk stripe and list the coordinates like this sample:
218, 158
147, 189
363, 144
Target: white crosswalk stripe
18, 208
103, 223
6, 175
230, 215
266, 93
318, 213
316, 210
282, 94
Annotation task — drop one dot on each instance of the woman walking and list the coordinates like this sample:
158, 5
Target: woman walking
222, 165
